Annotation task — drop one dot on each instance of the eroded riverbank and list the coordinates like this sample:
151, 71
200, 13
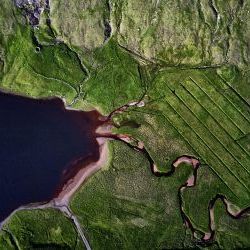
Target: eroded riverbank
82, 168
203, 238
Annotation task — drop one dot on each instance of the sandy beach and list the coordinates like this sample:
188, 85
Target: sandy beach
74, 184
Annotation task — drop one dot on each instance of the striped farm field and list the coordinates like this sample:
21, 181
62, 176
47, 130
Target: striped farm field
211, 117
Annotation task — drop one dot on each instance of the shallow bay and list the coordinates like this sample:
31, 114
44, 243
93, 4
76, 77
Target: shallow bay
41, 145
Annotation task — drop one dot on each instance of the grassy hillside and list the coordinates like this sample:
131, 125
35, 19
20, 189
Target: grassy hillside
39, 229
189, 63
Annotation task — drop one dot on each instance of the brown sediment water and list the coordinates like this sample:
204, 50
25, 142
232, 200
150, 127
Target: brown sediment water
83, 173
86, 135
77, 162
43, 145
103, 133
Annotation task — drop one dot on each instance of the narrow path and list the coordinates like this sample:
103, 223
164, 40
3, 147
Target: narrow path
66, 210
52, 204
62, 201
103, 134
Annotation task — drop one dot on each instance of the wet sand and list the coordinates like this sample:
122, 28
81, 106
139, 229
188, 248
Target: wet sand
43, 144
83, 174
85, 168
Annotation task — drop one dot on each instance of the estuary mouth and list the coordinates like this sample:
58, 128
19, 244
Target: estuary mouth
42, 146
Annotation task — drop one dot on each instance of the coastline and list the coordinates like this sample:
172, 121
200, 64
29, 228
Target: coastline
61, 201
73, 184
87, 167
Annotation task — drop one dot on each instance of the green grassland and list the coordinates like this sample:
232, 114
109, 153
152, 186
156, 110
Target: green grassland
52, 71
33, 69
209, 122
39, 229
207, 118
196, 202
189, 62
120, 77
231, 233
124, 206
